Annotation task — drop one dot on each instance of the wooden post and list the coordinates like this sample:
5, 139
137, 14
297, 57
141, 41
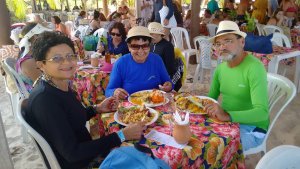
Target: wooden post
195, 19
5, 158
5, 24
105, 7
138, 8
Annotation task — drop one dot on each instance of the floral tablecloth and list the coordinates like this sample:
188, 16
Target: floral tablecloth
212, 145
295, 36
90, 85
277, 50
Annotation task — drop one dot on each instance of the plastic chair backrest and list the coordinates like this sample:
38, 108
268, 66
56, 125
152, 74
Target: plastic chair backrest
259, 29
279, 88
49, 157
283, 156
9, 67
82, 29
212, 29
101, 32
280, 39
268, 29
203, 46
178, 34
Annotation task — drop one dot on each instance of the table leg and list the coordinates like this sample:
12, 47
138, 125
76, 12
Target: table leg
273, 65
297, 74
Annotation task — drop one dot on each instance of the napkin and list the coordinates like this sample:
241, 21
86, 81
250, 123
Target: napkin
181, 121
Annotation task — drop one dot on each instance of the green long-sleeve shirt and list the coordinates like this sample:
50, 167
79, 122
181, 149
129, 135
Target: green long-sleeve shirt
244, 91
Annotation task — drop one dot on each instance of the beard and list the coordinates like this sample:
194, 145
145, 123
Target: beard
227, 56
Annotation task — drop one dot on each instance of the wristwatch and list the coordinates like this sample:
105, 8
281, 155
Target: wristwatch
121, 135
95, 107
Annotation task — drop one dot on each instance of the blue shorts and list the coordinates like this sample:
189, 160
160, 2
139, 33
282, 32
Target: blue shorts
249, 137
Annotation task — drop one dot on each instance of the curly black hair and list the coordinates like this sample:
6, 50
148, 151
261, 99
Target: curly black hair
47, 40
120, 26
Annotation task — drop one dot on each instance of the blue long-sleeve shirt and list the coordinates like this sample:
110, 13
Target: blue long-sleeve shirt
122, 47
133, 76
158, 4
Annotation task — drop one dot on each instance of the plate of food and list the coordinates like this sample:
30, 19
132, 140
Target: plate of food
194, 104
149, 98
135, 114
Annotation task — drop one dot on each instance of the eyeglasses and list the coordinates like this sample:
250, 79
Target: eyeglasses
115, 34
61, 59
137, 47
225, 43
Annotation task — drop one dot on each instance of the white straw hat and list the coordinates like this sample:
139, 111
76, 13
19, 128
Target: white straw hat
156, 28
138, 31
226, 27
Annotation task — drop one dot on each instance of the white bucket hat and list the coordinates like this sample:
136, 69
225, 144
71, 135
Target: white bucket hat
138, 31
156, 28
25, 40
226, 27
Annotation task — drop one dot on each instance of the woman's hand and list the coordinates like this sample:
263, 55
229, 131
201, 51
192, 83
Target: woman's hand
121, 93
100, 48
166, 22
167, 86
134, 131
214, 110
108, 105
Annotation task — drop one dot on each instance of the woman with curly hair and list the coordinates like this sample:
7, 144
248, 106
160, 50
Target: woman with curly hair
54, 111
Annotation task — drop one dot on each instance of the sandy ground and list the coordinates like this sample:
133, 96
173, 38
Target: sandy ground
25, 155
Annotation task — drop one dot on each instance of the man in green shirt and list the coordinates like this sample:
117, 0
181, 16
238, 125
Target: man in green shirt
242, 81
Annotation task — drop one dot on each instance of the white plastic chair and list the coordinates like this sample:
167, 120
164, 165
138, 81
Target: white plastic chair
101, 32
259, 28
212, 29
268, 29
283, 156
279, 88
280, 39
203, 46
9, 68
178, 34
40, 142
83, 30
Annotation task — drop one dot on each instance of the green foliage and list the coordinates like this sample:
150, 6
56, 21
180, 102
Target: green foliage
52, 4
187, 1
17, 7
233, 15
250, 23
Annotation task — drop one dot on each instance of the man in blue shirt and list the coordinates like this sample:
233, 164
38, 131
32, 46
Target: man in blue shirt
138, 70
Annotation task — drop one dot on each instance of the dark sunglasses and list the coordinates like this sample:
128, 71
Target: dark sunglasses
115, 34
137, 47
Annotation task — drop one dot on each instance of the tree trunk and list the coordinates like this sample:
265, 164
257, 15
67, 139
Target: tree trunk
5, 24
67, 2
195, 18
97, 2
33, 4
105, 7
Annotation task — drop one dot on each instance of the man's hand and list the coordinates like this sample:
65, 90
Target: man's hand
167, 86
121, 93
214, 110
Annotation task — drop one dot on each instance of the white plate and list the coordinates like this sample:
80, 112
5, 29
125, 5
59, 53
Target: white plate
150, 104
116, 117
202, 97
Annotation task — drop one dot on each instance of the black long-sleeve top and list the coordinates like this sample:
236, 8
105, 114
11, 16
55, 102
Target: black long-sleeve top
60, 118
165, 50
